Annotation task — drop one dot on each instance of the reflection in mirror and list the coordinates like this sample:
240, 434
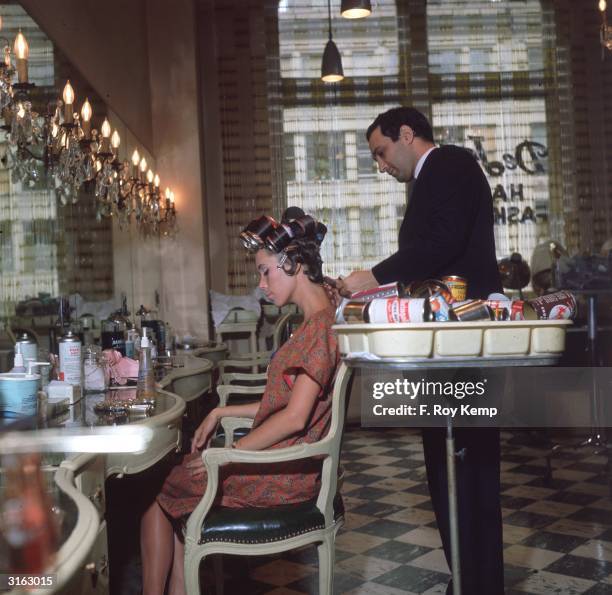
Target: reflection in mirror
54, 242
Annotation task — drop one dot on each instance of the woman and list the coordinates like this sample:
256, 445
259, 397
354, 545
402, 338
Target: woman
295, 407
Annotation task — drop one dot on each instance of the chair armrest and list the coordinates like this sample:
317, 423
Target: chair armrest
224, 390
229, 424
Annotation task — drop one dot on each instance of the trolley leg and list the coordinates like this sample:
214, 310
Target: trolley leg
452, 508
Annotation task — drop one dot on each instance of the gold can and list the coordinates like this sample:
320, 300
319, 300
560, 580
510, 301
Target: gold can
457, 286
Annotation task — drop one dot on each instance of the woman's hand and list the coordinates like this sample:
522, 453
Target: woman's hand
205, 431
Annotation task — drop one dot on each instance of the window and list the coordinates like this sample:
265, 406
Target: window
333, 175
486, 61
325, 156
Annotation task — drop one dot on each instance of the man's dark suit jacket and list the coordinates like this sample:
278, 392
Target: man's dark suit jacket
448, 226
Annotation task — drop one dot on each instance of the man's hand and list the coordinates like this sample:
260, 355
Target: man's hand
356, 281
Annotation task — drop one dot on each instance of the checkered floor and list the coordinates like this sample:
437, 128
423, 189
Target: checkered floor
558, 536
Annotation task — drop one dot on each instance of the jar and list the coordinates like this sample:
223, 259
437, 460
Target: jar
94, 375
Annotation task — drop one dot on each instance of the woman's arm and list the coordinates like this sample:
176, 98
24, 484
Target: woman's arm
206, 429
286, 422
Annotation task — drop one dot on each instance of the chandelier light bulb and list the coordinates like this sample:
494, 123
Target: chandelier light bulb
86, 111
22, 51
135, 158
156, 181
150, 177
21, 47
143, 165
68, 94
167, 193
105, 129
602, 5
115, 140
172, 197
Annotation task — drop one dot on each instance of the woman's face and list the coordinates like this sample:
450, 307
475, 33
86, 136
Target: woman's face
275, 283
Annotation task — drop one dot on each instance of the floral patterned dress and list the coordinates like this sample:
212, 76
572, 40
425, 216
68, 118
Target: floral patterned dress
312, 350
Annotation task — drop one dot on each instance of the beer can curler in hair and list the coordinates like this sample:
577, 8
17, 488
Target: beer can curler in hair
350, 312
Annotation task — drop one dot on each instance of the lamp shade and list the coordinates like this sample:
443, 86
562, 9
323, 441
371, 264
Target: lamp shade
331, 65
355, 9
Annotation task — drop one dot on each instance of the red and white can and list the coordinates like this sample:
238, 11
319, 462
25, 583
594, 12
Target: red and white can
395, 309
560, 305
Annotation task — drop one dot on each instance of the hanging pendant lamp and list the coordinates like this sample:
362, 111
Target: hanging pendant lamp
331, 65
355, 9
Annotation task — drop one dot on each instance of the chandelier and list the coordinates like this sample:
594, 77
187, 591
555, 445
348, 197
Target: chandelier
61, 149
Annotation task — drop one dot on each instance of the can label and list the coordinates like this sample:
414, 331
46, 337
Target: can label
521, 310
560, 305
70, 362
396, 309
439, 307
457, 286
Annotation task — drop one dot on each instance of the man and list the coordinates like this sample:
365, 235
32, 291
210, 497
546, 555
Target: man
447, 230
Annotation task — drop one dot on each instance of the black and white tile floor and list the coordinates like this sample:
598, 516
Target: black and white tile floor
558, 536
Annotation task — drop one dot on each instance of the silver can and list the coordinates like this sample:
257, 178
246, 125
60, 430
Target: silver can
28, 347
70, 358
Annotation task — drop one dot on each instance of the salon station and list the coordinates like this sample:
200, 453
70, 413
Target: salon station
156, 158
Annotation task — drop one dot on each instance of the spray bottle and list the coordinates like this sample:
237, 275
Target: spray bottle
146, 377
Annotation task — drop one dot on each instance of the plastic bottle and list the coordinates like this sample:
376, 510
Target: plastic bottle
146, 377
18, 365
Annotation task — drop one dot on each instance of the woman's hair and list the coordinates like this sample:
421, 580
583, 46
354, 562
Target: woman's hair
296, 239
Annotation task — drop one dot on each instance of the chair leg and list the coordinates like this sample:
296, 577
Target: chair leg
326, 553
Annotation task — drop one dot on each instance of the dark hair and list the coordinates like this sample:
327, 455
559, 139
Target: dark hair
301, 249
392, 120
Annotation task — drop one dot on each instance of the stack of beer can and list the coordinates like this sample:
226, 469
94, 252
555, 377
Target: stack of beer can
445, 300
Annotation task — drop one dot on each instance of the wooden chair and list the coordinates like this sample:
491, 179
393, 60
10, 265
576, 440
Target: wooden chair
261, 531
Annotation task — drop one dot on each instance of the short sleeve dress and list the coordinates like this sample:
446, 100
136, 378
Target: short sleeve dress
312, 350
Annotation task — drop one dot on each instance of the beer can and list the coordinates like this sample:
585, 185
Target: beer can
440, 307
70, 358
560, 305
351, 312
522, 310
396, 309
28, 347
382, 291
430, 288
471, 310
457, 286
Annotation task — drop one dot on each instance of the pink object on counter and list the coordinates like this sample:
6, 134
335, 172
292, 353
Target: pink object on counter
121, 368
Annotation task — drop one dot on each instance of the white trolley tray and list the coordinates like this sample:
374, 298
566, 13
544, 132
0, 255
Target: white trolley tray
435, 340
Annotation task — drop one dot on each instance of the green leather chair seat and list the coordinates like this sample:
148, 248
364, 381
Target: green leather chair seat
265, 525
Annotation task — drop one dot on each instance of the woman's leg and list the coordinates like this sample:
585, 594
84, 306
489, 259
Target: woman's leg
177, 578
156, 549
